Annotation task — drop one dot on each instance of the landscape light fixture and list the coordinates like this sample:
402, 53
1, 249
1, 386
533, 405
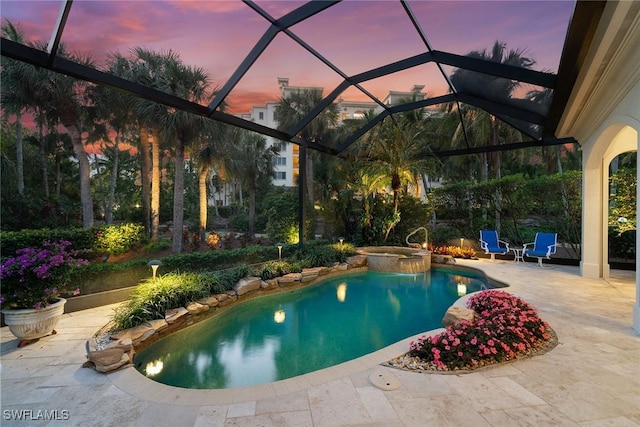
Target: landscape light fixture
154, 264
279, 245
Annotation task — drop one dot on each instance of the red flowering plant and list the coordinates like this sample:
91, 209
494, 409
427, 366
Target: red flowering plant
506, 327
38, 277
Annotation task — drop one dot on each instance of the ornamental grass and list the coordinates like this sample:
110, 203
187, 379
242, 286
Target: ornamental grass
505, 328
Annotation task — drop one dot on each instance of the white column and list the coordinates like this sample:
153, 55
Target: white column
604, 241
636, 306
592, 227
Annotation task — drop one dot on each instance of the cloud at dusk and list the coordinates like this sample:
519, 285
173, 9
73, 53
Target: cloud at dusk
355, 35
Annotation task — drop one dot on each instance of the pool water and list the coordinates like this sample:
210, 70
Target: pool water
291, 333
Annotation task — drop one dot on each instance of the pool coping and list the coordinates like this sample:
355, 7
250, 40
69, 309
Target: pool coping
136, 384
130, 380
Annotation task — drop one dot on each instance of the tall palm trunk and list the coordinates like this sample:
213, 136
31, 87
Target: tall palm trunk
85, 172
155, 186
309, 172
19, 155
43, 160
212, 190
99, 179
497, 170
145, 171
178, 197
204, 204
108, 215
252, 208
59, 152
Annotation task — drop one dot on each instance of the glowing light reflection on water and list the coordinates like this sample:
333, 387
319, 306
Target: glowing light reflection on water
292, 333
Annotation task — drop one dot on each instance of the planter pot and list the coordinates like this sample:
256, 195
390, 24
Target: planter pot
31, 324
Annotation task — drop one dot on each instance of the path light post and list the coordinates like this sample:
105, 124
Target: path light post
279, 245
154, 264
341, 240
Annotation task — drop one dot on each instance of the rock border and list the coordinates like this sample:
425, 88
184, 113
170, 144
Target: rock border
106, 344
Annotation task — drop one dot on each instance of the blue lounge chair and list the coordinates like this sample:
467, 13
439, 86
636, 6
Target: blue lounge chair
490, 243
543, 247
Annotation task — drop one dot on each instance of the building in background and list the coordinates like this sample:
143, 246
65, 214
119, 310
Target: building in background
286, 164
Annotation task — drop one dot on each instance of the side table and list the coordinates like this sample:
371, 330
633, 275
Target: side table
518, 255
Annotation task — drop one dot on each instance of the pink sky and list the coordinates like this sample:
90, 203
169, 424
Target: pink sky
354, 35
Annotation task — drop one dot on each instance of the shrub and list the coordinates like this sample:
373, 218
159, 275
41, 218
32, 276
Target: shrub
228, 278
159, 245
319, 253
274, 269
154, 297
81, 239
114, 239
506, 327
215, 260
454, 251
118, 239
213, 240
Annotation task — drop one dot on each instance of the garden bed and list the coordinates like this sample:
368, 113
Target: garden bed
504, 328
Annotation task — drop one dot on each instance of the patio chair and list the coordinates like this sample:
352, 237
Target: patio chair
543, 247
490, 243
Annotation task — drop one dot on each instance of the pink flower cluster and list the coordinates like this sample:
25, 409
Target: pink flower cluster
505, 327
37, 277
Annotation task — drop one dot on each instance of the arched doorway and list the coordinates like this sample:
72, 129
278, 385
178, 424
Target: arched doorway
598, 153
613, 141
603, 114
622, 220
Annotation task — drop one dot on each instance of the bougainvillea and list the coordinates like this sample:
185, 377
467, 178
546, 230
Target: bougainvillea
37, 277
506, 327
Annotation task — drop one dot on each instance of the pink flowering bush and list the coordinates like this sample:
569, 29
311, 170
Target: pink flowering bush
38, 277
505, 328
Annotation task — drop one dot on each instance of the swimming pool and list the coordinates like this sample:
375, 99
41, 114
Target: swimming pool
303, 330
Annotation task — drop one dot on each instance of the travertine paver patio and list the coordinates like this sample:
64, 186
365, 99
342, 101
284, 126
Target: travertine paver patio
592, 378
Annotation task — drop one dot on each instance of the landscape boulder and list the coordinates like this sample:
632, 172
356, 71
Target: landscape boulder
247, 284
455, 314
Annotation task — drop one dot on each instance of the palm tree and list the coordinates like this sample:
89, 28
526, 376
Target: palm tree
209, 155
145, 68
166, 72
250, 160
20, 90
115, 107
66, 97
293, 108
183, 128
551, 155
483, 126
398, 148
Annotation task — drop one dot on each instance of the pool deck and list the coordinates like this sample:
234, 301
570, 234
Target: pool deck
592, 377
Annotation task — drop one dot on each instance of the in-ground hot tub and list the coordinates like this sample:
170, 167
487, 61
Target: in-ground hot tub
397, 259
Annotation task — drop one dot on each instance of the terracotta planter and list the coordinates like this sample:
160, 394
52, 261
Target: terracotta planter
30, 324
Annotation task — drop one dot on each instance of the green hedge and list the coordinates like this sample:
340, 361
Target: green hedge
10, 241
545, 203
154, 297
113, 239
